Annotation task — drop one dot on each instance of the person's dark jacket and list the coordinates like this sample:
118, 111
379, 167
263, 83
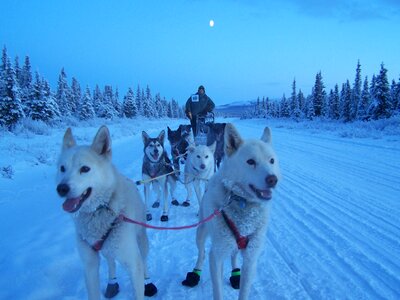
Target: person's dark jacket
200, 107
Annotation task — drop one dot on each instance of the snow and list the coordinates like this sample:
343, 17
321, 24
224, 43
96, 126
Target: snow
334, 231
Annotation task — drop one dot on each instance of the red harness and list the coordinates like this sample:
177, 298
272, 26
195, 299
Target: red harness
99, 244
241, 240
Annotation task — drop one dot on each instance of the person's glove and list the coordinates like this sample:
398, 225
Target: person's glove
189, 115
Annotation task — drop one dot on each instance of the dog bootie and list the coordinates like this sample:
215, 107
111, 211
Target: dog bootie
235, 278
150, 289
148, 217
192, 278
175, 202
112, 290
164, 218
186, 203
156, 204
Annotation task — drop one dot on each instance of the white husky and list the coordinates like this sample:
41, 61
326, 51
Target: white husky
199, 168
241, 190
96, 194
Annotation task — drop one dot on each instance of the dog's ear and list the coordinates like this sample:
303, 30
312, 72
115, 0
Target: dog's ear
161, 136
266, 137
212, 147
145, 137
68, 140
232, 139
169, 130
102, 142
191, 148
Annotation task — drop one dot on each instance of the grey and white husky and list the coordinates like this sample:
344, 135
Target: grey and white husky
96, 194
156, 164
242, 191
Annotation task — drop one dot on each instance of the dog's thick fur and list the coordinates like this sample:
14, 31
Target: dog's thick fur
96, 194
179, 140
156, 163
217, 135
242, 188
199, 168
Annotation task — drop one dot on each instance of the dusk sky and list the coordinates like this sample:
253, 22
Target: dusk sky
255, 48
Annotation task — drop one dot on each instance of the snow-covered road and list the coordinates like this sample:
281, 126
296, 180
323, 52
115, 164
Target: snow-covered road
334, 230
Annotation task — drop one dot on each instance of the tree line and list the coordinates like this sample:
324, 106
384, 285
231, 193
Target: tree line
24, 95
361, 100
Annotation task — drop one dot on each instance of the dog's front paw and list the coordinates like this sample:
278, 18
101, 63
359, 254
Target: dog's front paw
164, 218
192, 279
112, 290
235, 278
148, 217
156, 204
186, 203
150, 289
175, 202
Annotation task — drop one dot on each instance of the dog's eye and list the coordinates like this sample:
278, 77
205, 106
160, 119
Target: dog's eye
62, 169
272, 161
206, 156
251, 162
85, 169
198, 156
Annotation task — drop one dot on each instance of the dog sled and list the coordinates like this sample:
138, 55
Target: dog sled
203, 128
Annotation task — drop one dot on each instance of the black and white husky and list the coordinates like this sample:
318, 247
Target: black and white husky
156, 164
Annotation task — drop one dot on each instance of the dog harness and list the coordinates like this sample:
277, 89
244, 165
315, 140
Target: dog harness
241, 240
99, 244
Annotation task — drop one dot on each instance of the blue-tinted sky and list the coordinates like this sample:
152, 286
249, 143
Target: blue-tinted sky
256, 48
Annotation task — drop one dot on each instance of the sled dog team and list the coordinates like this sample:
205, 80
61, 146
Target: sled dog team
237, 197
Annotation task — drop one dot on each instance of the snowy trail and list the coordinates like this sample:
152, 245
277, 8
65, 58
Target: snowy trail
334, 230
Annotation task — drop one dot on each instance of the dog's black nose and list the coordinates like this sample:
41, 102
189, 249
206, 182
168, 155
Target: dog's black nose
155, 151
271, 180
62, 189
202, 166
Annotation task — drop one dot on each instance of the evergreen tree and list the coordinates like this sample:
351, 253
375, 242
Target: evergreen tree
309, 107
117, 104
18, 71
11, 110
363, 105
26, 85
356, 93
302, 103
158, 106
86, 110
345, 102
295, 112
52, 111
36, 103
284, 107
381, 100
129, 105
76, 96
139, 101
97, 100
63, 95
107, 109
335, 104
318, 95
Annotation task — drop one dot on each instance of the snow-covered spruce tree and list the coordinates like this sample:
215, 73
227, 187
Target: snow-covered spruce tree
53, 112
395, 95
284, 107
318, 95
158, 106
365, 101
86, 109
18, 71
345, 102
175, 108
295, 112
11, 110
129, 106
148, 106
302, 103
36, 103
107, 110
139, 101
382, 107
76, 96
334, 112
26, 85
356, 93
164, 103
97, 100
309, 108
63, 95
117, 104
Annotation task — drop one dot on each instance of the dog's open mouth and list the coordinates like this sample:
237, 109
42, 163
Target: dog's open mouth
154, 156
72, 205
262, 194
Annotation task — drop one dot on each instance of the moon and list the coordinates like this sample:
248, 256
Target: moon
211, 23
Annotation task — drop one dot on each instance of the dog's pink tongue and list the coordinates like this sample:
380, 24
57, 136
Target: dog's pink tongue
266, 194
70, 205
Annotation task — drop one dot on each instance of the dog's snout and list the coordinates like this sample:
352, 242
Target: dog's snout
156, 151
202, 166
62, 189
271, 180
